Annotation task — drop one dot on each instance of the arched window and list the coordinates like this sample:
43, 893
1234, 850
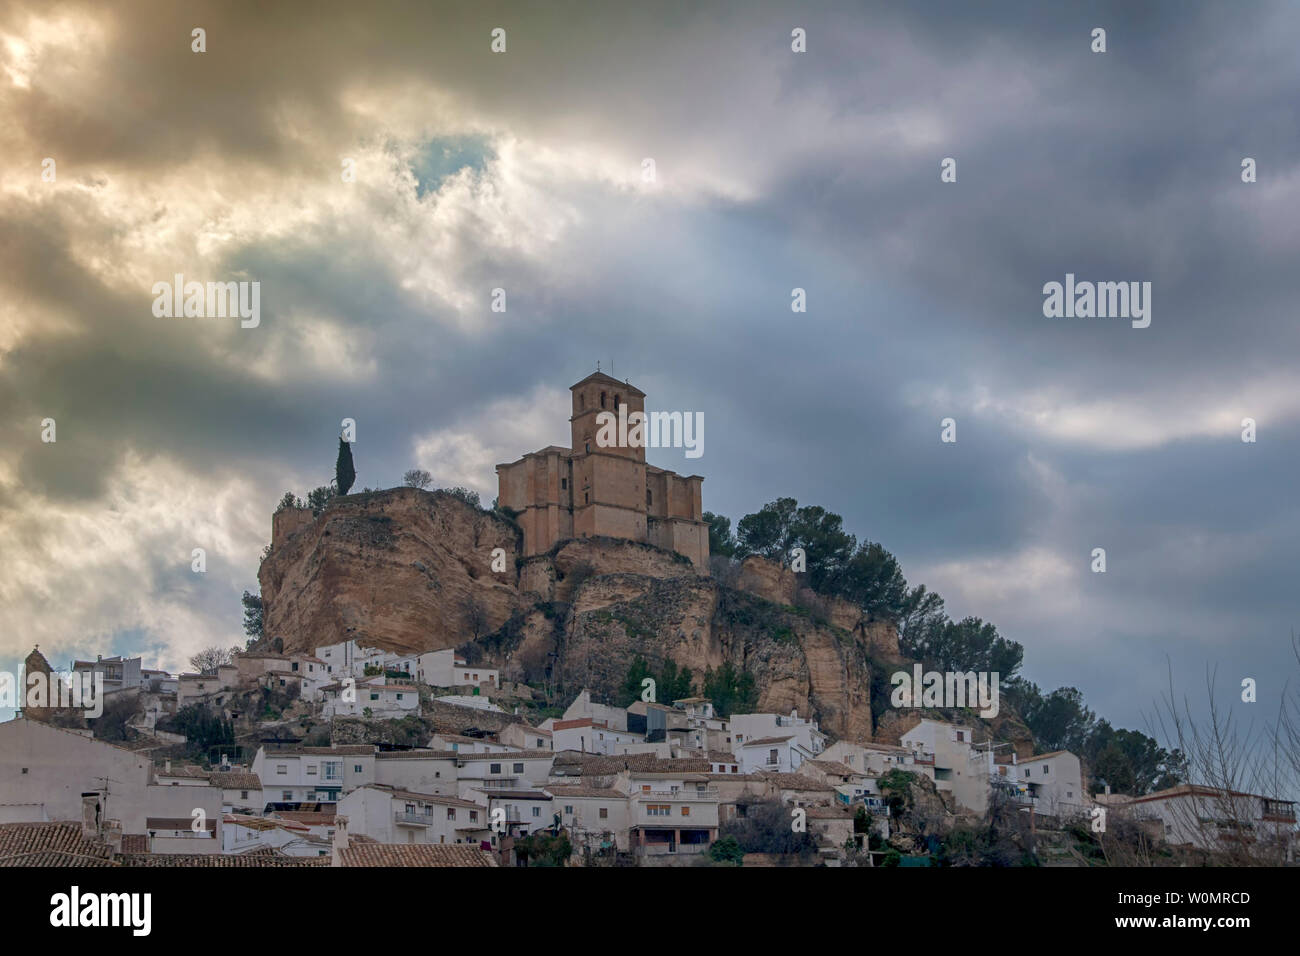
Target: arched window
602, 399
617, 399
582, 401
647, 497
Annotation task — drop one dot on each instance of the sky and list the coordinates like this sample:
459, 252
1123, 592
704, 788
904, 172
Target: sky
525, 170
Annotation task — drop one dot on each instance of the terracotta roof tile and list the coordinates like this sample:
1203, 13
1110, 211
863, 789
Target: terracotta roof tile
24, 844
415, 854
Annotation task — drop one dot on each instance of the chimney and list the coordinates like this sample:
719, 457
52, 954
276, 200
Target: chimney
113, 836
340, 840
90, 815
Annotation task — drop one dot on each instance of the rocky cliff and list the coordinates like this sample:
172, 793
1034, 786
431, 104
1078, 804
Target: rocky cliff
409, 570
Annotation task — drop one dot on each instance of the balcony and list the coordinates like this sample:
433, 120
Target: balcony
407, 818
659, 795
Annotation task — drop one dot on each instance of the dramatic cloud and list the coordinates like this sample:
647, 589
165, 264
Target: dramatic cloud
471, 171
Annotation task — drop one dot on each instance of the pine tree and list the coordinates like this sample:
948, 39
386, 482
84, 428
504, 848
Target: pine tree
344, 473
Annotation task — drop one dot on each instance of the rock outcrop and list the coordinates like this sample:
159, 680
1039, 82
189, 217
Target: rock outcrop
409, 570
404, 570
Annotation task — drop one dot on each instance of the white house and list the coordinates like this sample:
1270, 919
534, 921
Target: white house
470, 745
516, 771
526, 811
370, 697
776, 754
243, 834
583, 707
313, 774
1053, 782
423, 771
960, 768
241, 790
670, 813
808, 740
1212, 818
391, 815
118, 673
874, 759
445, 668
586, 735
350, 659
520, 736
596, 817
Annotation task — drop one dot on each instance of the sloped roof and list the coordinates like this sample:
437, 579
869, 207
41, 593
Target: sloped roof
415, 854
50, 844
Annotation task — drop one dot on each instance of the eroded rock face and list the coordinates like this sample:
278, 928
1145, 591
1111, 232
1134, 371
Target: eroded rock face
392, 569
396, 569
768, 580
797, 663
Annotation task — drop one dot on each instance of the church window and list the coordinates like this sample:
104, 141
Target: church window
617, 400
586, 497
647, 498
602, 399
564, 483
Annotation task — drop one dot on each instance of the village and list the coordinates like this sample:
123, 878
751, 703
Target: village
649, 784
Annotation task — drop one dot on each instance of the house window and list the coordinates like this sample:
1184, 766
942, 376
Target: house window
311, 770
658, 810
537, 811
473, 816
686, 811
356, 768
374, 697
286, 796
399, 696
451, 813
518, 768
771, 756
604, 813
281, 768
1045, 769
568, 810
495, 768
293, 666
243, 794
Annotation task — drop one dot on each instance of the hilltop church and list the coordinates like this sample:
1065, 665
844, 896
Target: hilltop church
586, 490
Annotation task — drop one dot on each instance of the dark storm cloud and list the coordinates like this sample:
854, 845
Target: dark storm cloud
819, 171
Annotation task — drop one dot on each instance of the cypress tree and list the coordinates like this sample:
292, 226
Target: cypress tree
344, 473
